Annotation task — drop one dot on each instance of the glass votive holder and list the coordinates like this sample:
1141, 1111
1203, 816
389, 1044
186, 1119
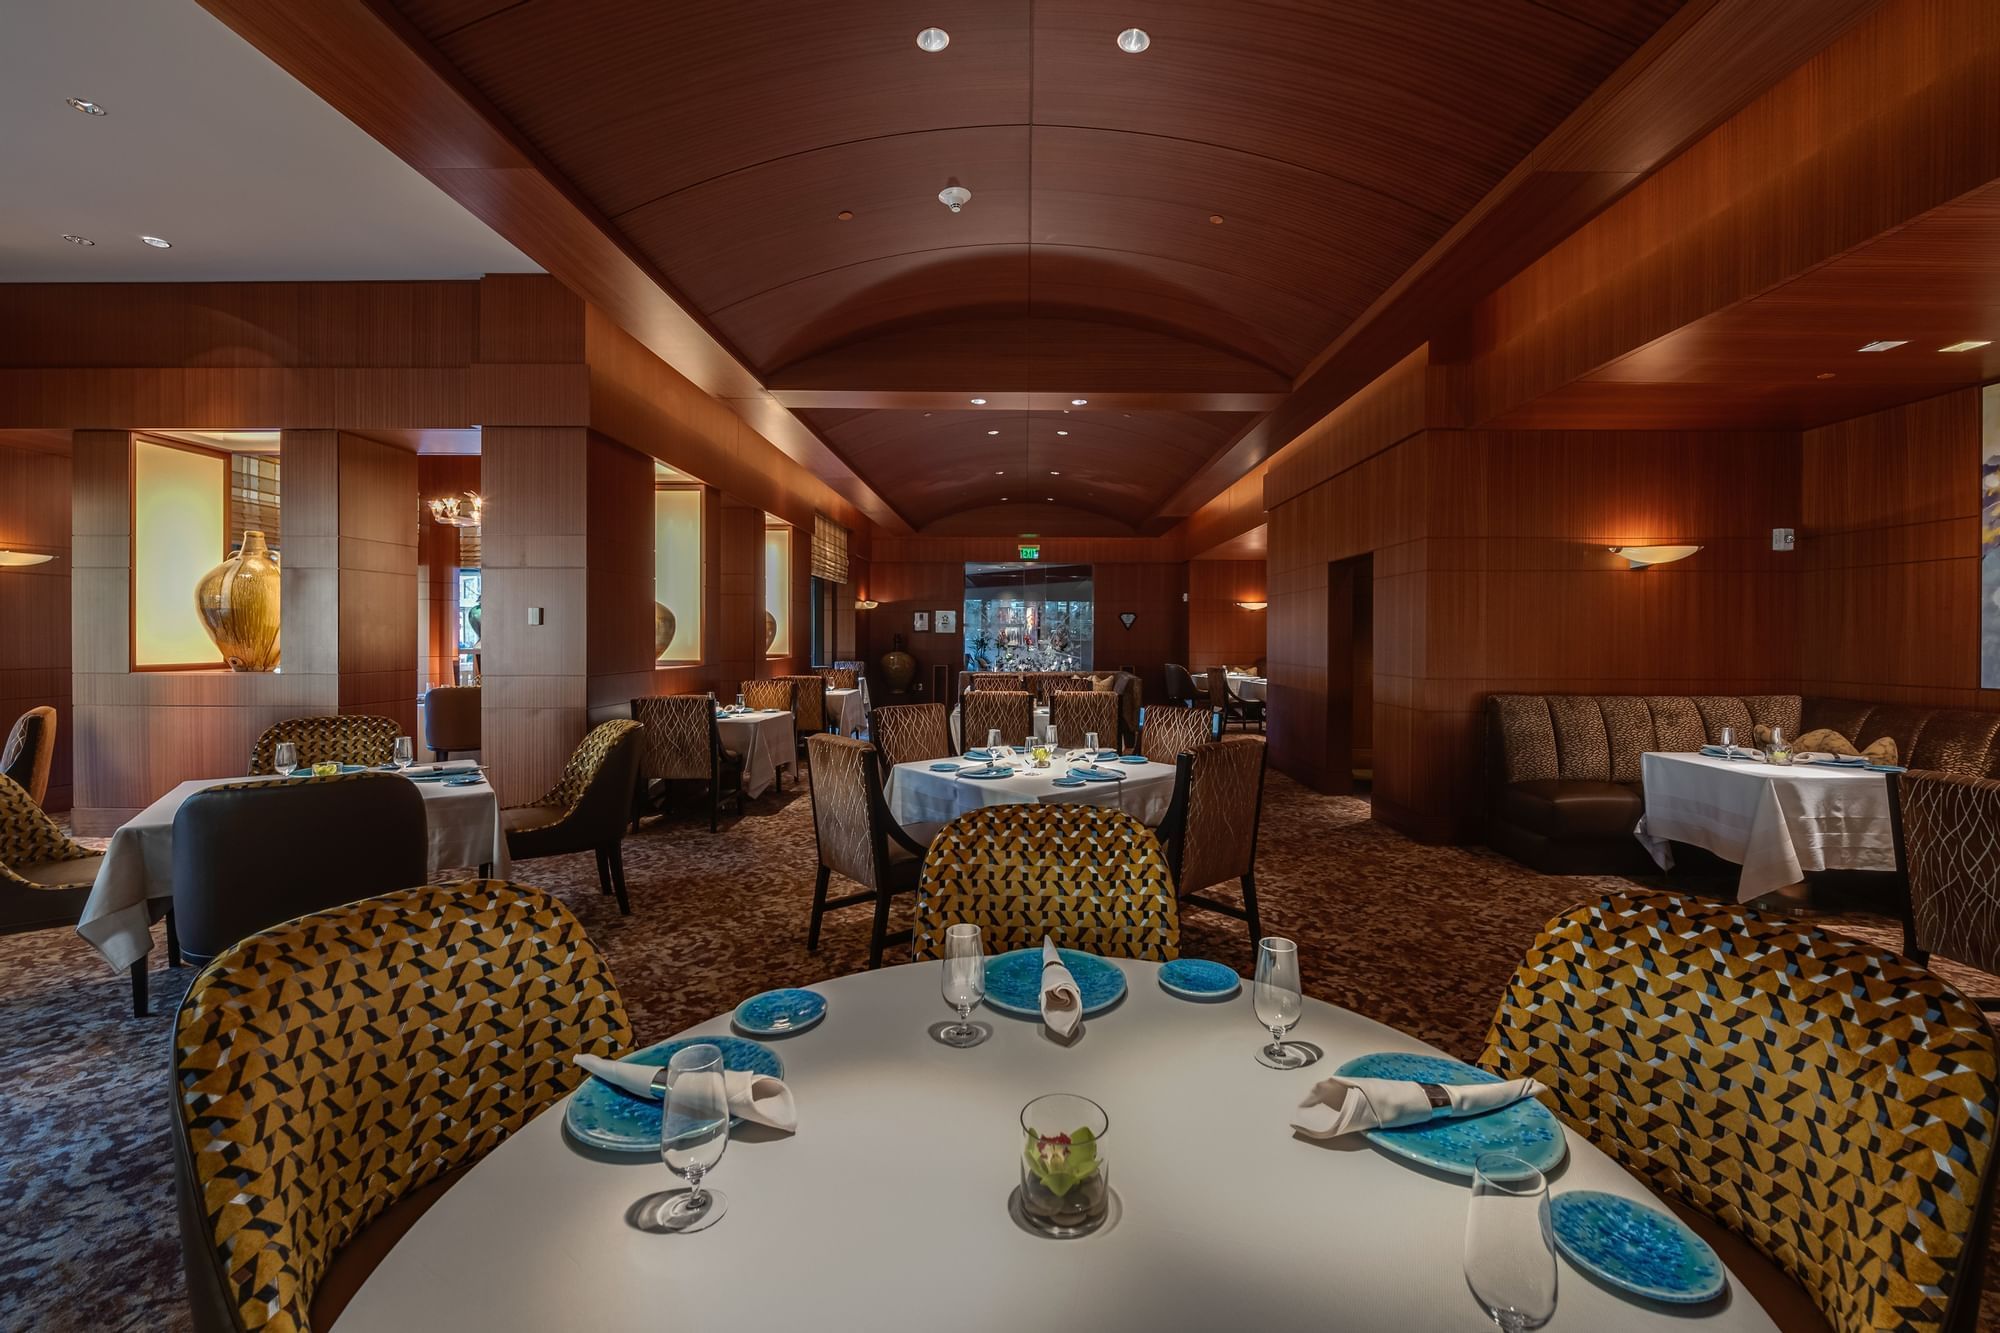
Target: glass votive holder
1065, 1179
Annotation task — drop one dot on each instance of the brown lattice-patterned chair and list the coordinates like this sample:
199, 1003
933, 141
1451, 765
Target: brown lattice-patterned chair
1947, 835
587, 810
682, 745
808, 703
1045, 684
1165, 731
778, 694
1820, 1110
993, 680
1076, 713
1013, 711
1210, 830
905, 733
30, 751
345, 738
841, 678
1087, 876
334, 1075
858, 838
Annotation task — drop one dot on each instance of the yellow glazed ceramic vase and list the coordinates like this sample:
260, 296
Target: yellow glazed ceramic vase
238, 605
663, 630
770, 632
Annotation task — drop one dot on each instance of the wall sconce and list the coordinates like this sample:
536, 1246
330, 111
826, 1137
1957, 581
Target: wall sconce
459, 511
22, 559
866, 604
1253, 606
1639, 557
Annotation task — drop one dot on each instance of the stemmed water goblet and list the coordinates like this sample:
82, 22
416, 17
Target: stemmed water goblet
963, 983
405, 754
1279, 1002
1510, 1259
694, 1133
286, 757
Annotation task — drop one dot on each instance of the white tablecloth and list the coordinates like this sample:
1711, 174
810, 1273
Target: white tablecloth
888, 1210
464, 824
1041, 729
1777, 822
1250, 689
766, 742
845, 711
919, 796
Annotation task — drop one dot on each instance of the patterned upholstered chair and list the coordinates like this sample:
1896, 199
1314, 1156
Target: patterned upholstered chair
779, 694
841, 678
334, 1075
1180, 686
1076, 713
993, 680
1087, 876
1210, 831
1166, 731
345, 738
1947, 834
587, 810
808, 703
45, 878
452, 720
1822, 1111
1044, 685
1013, 711
30, 751
858, 838
1223, 698
682, 745
905, 733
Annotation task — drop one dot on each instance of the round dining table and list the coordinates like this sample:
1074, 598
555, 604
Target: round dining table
889, 1208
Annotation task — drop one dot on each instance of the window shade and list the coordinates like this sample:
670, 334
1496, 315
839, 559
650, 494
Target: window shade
829, 550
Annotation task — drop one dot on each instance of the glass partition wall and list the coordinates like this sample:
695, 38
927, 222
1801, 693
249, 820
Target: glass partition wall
1027, 617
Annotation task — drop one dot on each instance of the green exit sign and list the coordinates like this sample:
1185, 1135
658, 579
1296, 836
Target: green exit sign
1031, 553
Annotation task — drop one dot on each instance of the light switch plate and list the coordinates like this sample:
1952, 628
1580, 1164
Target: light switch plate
1783, 539
534, 615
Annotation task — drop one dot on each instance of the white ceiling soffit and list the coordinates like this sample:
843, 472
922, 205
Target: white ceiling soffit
206, 144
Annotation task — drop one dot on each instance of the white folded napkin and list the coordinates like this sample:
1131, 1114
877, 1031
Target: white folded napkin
758, 1098
1338, 1106
1062, 1002
446, 766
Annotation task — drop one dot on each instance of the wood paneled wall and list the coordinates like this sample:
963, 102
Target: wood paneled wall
376, 569
1220, 631
620, 557
738, 654
35, 600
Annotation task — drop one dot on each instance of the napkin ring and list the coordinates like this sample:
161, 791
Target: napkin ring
1439, 1098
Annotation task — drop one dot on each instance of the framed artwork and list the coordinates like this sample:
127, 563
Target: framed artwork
947, 622
923, 622
1989, 537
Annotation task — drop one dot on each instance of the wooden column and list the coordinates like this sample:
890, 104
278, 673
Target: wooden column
35, 600
376, 558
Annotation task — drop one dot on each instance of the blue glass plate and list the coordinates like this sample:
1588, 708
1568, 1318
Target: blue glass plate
945, 768
1067, 782
980, 753
1646, 1251
472, 781
778, 1013
1097, 774
617, 1121
1106, 756
1199, 979
985, 773
1131, 758
1014, 981
307, 772
1526, 1129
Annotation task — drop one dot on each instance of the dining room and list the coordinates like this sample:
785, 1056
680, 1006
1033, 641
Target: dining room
694, 643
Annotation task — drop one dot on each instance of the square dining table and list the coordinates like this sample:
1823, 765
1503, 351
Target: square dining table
918, 796
767, 739
845, 712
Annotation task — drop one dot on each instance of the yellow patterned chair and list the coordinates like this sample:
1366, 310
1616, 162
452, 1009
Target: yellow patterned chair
1076, 713
905, 733
345, 738
1086, 876
1166, 730
1012, 711
1821, 1110
587, 809
333, 1075
30, 752
681, 745
1947, 836
1210, 831
858, 838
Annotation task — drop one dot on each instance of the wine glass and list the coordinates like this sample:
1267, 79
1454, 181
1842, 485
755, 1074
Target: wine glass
287, 757
739, 701
963, 984
1728, 737
1278, 1002
694, 1131
1090, 745
406, 752
1510, 1258
992, 743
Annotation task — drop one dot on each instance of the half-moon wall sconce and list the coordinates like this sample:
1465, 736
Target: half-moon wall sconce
22, 559
866, 604
1639, 557
1253, 606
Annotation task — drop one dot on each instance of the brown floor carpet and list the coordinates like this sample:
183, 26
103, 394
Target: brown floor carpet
1419, 937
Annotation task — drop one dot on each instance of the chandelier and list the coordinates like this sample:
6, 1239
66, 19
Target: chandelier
458, 511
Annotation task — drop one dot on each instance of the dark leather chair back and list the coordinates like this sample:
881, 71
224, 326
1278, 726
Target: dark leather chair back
249, 855
1180, 685
451, 720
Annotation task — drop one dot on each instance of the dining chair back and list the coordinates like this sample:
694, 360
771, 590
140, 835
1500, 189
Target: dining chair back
857, 838
1076, 713
1012, 711
344, 738
1180, 686
778, 694
1044, 685
992, 680
905, 733
30, 751
1167, 730
1210, 830
841, 678
1946, 830
452, 720
248, 855
1087, 876
334, 1074
587, 809
1825, 1107
682, 743
808, 703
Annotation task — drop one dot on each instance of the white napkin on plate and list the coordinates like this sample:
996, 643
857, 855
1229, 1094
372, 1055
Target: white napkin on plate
446, 766
758, 1098
1062, 1002
1338, 1106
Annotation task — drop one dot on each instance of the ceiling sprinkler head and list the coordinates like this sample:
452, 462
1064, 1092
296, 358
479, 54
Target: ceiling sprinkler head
954, 197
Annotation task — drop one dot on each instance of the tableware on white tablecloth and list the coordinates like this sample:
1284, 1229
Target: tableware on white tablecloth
286, 757
1636, 1247
1062, 1001
992, 740
1341, 1105
963, 984
694, 1133
1780, 752
1090, 742
406, 753
1065, 1179
759, 1099
781, 1012
1728, 737
1510, 1256
1278, 1001
739, 702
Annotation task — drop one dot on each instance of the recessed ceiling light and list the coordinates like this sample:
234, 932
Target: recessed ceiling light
1882, 344
933, 39
1215, 218
979, 402
1824, 375
158, 243
1133, 40
75, 239
1967, 345
1052, 499
1003, 498
85, 105
1062, 432
1053, 473
1078, 402
845, 215
992, 432
999, 471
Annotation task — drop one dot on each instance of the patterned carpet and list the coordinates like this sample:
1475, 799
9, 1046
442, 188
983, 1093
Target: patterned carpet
1419, 937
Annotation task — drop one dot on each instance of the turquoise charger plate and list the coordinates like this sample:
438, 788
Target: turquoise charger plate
1067, 782
1014, 981
1133, 759
307, 772
1527, 1129
779, 1013
617, 1121
985, 774
1097, 774
1199, 979
1646, 1251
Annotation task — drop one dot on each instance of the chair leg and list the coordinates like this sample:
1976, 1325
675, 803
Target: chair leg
140, 1007
1250, 908
880, 934
819, 908
603, 872
173, 941
616, 857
